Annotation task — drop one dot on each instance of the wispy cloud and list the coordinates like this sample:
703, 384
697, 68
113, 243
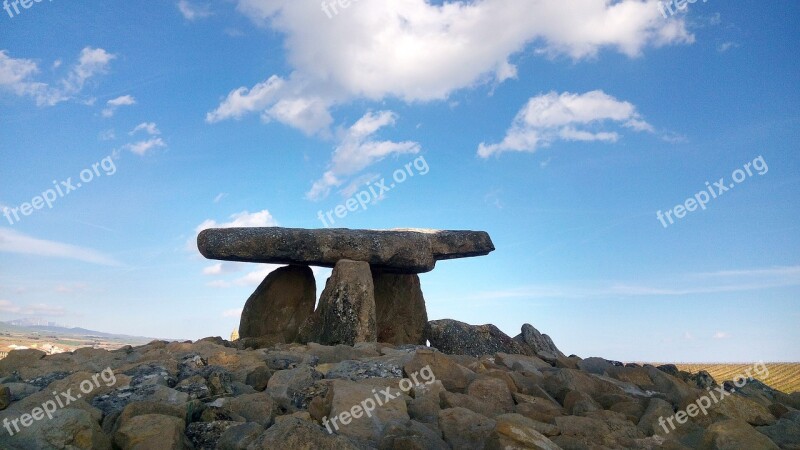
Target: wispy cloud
12, 241
16, 76
551, 117
192, 12
686, 284
40, 309
113, 104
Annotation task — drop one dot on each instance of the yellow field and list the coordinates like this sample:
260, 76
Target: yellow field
784, 377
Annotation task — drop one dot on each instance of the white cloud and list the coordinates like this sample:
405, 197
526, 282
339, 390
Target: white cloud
15, 242
358, 151
114, 103
148, 127
141, 148
418, 50
252, 278
16, 76
242, 219
219, 197
232, 312
552, 117
40, 309
223, 268
193, 12
721, 335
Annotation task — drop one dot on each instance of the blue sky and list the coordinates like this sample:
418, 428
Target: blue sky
561, 128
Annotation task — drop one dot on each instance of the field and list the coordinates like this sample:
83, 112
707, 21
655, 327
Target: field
784, 377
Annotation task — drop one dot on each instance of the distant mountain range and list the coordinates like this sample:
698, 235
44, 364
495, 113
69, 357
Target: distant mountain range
51, 328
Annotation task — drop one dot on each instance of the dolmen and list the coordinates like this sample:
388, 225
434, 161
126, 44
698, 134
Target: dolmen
372, 295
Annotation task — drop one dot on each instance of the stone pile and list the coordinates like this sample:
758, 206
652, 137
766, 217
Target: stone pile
372, 295
513, 393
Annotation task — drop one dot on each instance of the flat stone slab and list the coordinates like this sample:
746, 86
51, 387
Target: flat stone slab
398, 251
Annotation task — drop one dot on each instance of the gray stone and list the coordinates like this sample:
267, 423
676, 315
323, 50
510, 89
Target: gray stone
541, 344
401, 251
458, 338
399, 308
346, 311
280, 304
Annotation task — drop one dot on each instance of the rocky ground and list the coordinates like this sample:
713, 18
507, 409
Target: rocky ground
488, 391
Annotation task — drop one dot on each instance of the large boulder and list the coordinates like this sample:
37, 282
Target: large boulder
735, 434
280, 304
541, 344
399, 308
400, 251
458, 338
346, 311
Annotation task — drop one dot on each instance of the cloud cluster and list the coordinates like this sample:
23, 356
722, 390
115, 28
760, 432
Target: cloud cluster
569, 117
16, 76
357, 151
12, 241
114, 103
417, 50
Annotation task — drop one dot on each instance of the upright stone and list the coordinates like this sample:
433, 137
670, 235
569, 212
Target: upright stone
346, 310
399, 308
280, 304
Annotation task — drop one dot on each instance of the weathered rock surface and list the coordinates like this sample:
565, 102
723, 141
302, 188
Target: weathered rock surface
346, 310
490, 401
401, 251
458, 338
399, 308
280, 304
541, 344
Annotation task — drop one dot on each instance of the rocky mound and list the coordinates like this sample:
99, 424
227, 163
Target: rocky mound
480, 389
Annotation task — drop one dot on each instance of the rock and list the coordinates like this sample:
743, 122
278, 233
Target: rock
152, 431
258, 408
239, 436
522, 363
346, 311
579, 403
19, 358
280, 304
598, 366
259, 378
464, 429
5, 397
458, 338
399, 308
735, 406
515, 431
206, 435
584, 430
286, 386
425, 405
360, 410
493, 393
656, 409
411, 435
18, 391
735, 434
785, 433
137, 409
69, 427
400, 251
300, 435
358, 370
454, 377
541, 344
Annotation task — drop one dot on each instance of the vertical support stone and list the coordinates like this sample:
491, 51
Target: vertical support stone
399, 308
280, 304
346, 310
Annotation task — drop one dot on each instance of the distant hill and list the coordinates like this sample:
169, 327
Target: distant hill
11, 327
